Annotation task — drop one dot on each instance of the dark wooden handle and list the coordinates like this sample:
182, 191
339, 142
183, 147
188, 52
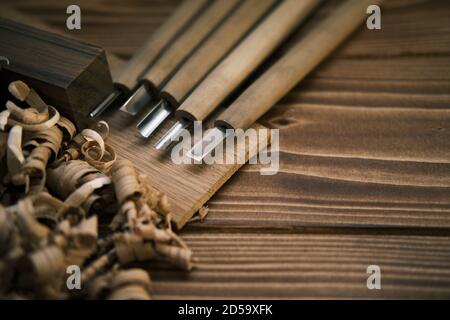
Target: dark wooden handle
307, 54
115, 63
244, 59
214, 49
148, 53
184, 45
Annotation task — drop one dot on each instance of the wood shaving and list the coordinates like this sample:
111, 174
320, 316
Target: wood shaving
57, 184
201, 215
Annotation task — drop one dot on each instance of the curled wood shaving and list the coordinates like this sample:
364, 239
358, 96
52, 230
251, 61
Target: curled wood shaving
46, 206
50, 138
93, 136
45, 146
146, 213
181, 257
201, 215
15, 156
82, 241
26, 116
126, 181
100, 159
43, 266
26, 221
203, 212
80, 195
43, 231
95, 267
36, 162
53, 119
151, 232
67, 177
4, 116
91, 145
19, 90
85, 234
67, 126
131, 284
22, 92
102, 127
131, 248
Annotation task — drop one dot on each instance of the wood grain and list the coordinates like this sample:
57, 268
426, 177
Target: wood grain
295, 266
294, 65
376, 152
188, 186
351, 181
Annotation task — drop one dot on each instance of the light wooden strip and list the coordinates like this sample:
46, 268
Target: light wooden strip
188, 186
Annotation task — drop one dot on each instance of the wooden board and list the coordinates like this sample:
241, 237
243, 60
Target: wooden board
188, 186
311, 230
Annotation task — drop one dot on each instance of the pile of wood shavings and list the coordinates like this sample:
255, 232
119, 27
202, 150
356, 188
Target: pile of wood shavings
56, 184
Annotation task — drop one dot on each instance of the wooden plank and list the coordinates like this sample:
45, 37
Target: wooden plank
296, 266
188, 186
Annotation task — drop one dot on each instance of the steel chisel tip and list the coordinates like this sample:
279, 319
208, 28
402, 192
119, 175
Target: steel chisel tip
154, 119
172, 135
138, 100
207, 144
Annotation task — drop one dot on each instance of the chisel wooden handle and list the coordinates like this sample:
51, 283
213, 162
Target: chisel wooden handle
224, 38
179, 50
183, 15
307, 54
244, 59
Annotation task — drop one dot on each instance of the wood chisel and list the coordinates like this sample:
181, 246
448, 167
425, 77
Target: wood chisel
280, 78
204, 59
151, 50
238, 65
173, 57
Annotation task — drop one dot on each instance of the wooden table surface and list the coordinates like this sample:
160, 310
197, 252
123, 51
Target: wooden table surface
364, 166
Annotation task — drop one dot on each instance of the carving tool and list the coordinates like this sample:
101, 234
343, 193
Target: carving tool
279, 79
239, 64
173, 57
152, 49
204, 59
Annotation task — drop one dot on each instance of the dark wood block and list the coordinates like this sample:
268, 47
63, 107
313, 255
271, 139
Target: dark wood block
70, 75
